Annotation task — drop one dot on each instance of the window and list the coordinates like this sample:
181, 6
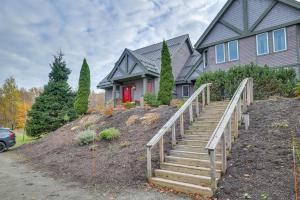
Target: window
262, 44
205, 59
279, 40
185, 91
233, 50
220, 53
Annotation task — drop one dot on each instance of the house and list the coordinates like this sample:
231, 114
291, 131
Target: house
264, 32
137, 71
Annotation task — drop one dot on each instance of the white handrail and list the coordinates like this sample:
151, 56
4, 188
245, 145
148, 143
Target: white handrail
171, 123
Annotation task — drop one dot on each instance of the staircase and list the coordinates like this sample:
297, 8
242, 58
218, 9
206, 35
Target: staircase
196, 161
187, 167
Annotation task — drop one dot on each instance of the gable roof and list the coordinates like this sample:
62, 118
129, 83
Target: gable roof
242, 33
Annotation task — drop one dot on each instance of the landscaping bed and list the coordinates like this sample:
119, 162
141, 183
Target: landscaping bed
112, 164
261, 164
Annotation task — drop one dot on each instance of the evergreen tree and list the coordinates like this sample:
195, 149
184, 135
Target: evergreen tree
55, 106
166, 83
83, 93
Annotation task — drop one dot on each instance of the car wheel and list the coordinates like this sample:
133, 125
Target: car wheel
2, 147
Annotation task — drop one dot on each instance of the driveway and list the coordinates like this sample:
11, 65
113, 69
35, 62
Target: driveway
21, 182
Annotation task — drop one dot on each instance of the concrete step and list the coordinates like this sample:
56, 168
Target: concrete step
189, 154
202, 171
183, 177
191, 161
182, 187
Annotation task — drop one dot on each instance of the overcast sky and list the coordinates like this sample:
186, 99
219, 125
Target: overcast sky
31, 31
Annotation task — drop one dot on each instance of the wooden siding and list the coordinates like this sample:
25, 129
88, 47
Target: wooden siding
234, 14
180, 59
256, 9
280, 14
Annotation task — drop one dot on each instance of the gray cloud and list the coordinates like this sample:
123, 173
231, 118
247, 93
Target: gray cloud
31, 31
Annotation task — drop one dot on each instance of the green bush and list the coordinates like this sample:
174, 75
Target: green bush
85, 137
110, 134
129, 105
151, 100
297, 90
267, 81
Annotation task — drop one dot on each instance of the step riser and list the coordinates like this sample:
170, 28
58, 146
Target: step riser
184, 189
186, 179
193, 142
196, 137
187, 170
191, 155
197, 163
195, 149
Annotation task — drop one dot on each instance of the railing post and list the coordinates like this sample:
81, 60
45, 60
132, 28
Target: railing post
208, 95
212, 157
181, 125
246, 119
149, 168
203, 99
239, 111
191, 113
197, 106
173, 135
224, 159
249, 92
228, 129
245, 100
236, 123
161, 150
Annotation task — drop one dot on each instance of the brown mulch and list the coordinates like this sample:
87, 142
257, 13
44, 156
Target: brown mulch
114, 164
262, 163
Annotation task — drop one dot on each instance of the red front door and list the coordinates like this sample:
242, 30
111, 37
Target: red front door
127, 94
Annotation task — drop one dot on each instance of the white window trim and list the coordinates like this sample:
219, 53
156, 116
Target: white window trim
267, 44
217, 54
284, 30
182, 94
237, 50
205, 65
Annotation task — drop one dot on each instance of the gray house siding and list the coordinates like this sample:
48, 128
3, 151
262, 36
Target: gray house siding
108, 94
256, 9
280, 14
247, 52
180, 58
234, 14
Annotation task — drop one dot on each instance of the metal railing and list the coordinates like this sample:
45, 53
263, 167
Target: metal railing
171, 124
242, 98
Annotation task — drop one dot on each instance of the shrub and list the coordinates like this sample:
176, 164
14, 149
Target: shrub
267, 81
151, 100
110, 134
85, 137
129, 105
297, 90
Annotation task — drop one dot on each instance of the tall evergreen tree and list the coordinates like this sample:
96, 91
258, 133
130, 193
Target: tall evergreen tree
55, 106
166, 83
83, 93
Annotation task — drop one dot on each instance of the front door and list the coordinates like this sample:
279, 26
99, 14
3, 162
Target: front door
127, 94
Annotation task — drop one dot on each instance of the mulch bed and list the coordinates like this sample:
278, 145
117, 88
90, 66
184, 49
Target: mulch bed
261, 164
113, 165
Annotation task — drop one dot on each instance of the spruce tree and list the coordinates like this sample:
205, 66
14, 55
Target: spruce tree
55, 106
166, 83
83, 93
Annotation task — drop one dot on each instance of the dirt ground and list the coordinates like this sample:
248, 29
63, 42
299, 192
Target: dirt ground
261, 164
114, 165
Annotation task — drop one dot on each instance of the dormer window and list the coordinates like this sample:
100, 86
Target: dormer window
220, 53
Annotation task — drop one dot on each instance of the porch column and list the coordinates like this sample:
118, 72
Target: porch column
114, 95
144, 85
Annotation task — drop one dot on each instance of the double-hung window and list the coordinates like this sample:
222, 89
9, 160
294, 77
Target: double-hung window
220, 53
185, 91
233, 50
279, 40
262, 44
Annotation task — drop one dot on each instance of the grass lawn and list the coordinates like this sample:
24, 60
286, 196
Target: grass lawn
22, 138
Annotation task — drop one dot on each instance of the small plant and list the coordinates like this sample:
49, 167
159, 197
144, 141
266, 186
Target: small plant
110, 134
151, 100
108, 111
247, 195
264, 196
129, 105
85, 137
125, 143
282, 124
88, 126
297, 90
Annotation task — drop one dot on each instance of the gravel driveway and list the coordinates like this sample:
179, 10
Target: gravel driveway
21, 182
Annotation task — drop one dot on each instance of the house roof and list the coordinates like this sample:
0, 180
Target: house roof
149, 57
198, 44
191, 64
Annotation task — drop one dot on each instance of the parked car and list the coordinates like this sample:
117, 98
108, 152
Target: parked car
7, 139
